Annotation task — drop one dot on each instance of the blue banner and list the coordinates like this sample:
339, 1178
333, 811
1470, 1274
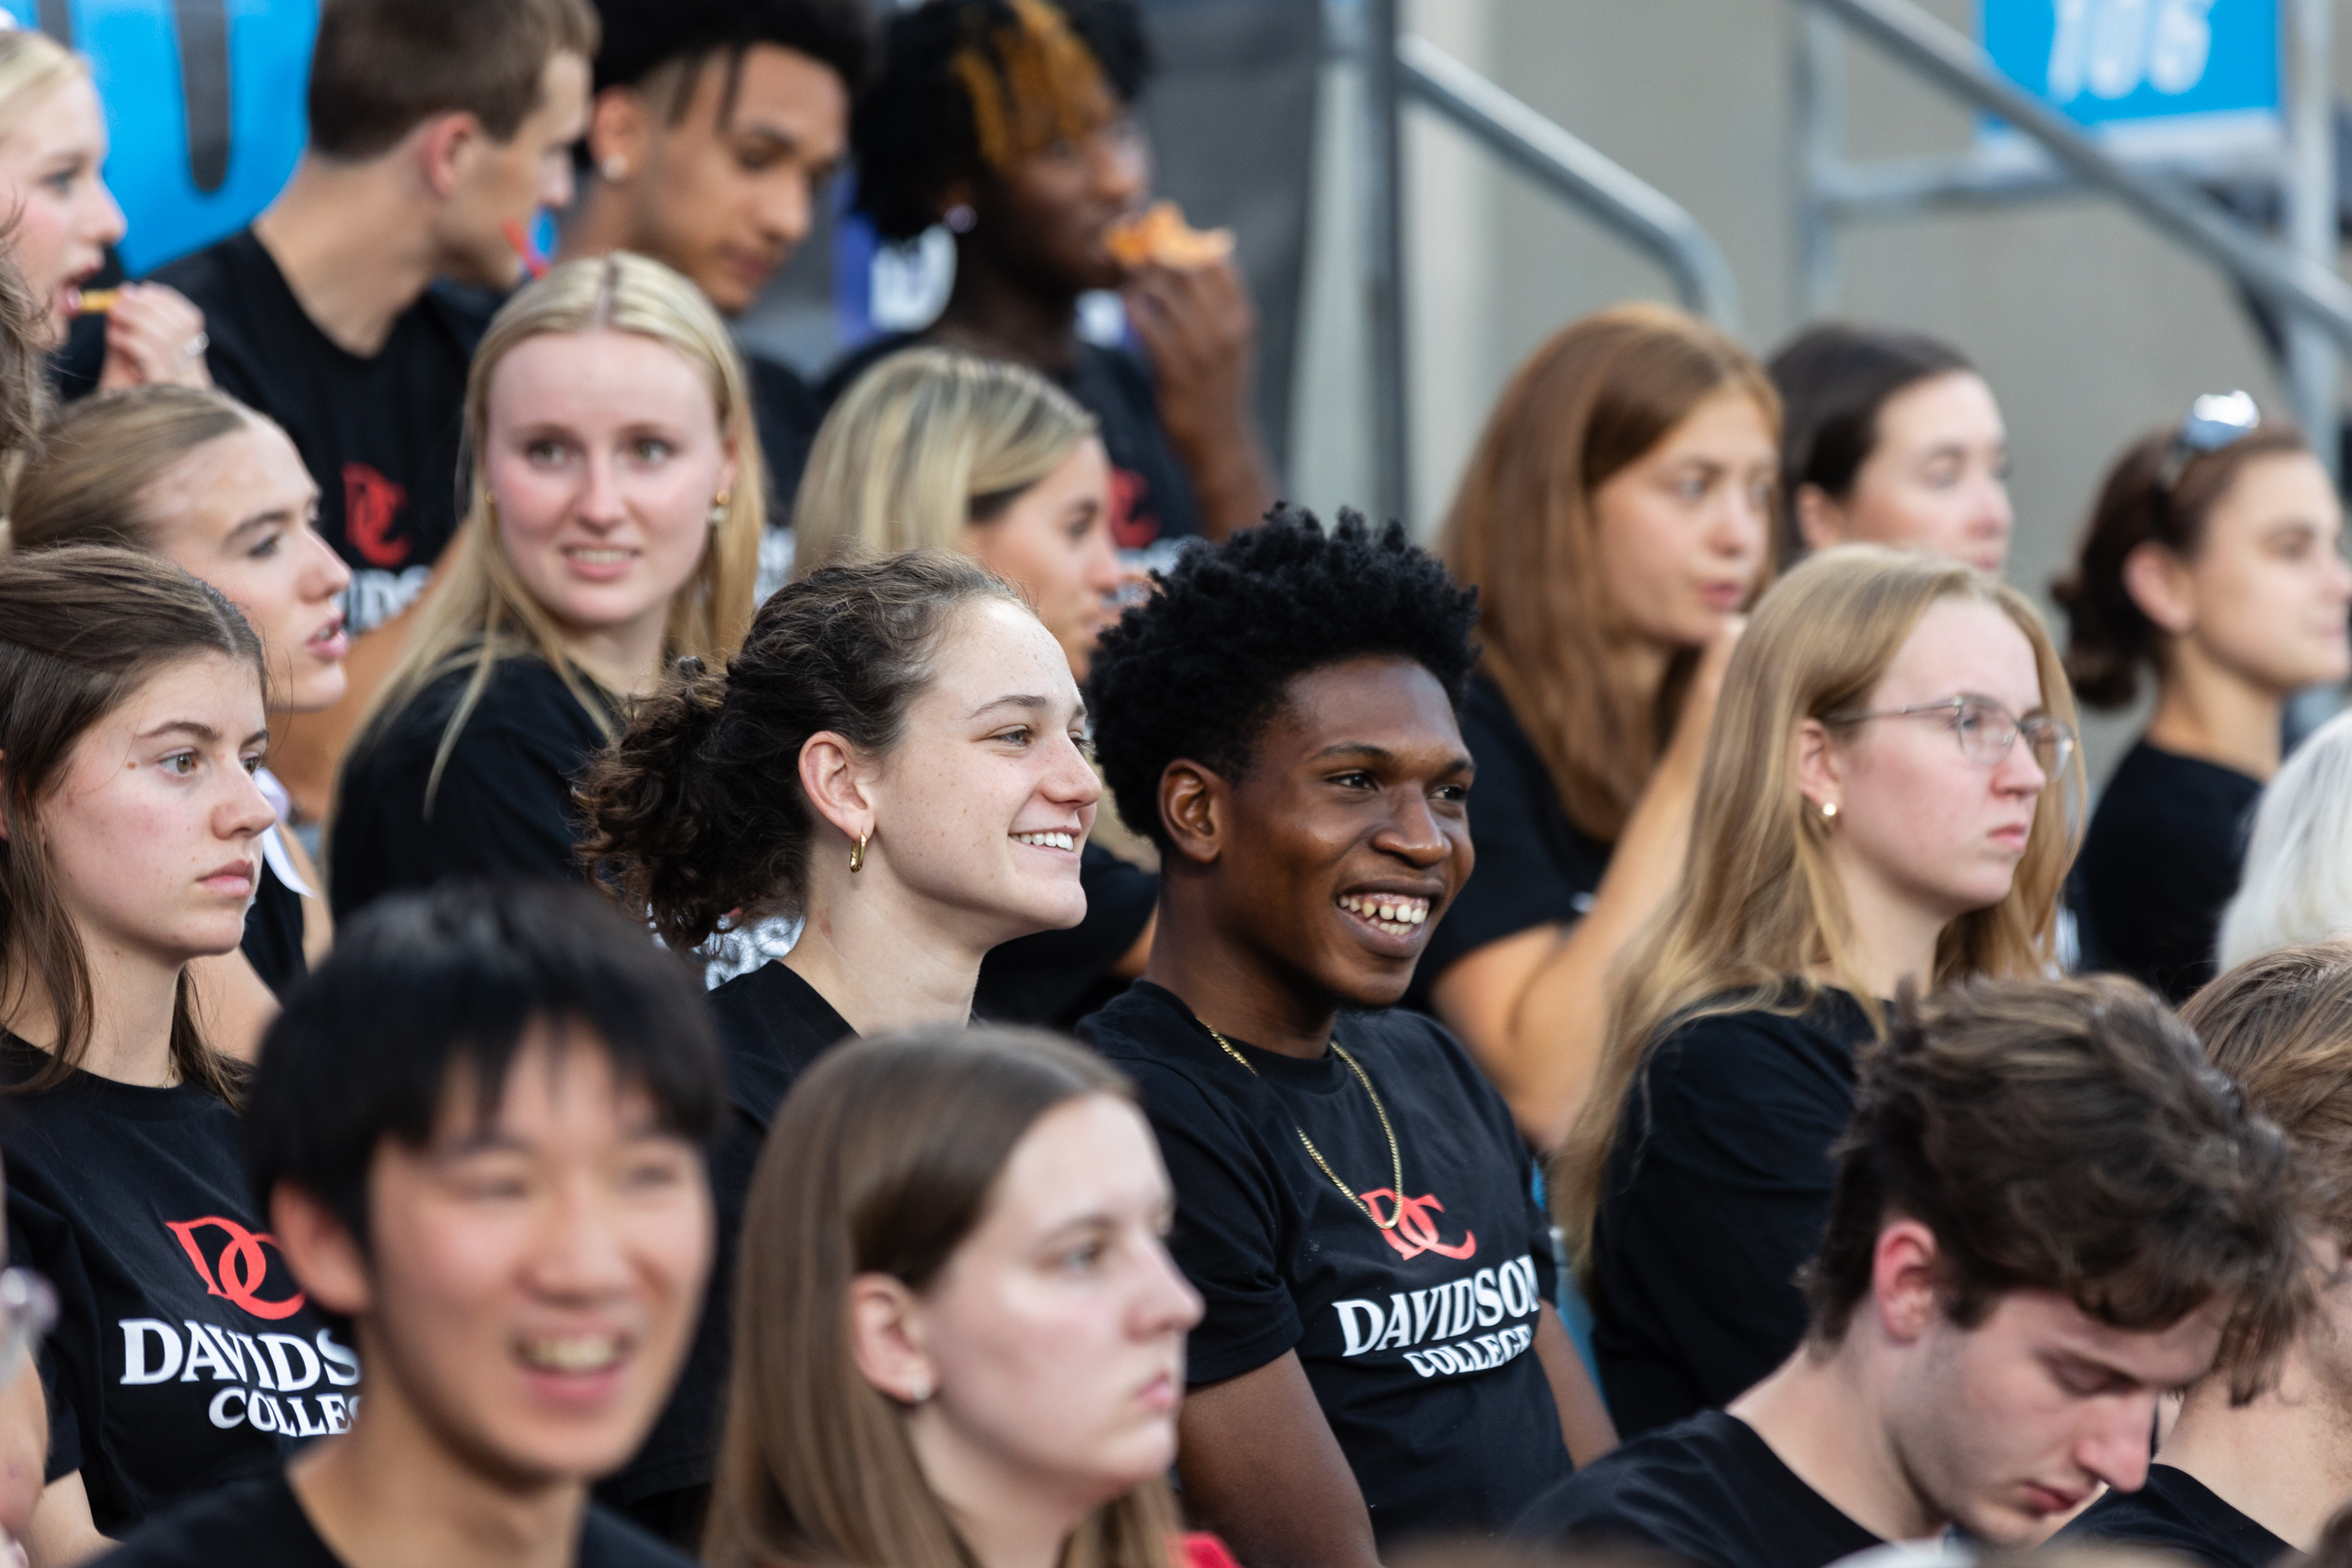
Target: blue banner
2111, 63
204, 102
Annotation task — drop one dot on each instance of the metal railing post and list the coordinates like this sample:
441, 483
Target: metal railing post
1545, 152
1819, 112
1384, 263
2312, 363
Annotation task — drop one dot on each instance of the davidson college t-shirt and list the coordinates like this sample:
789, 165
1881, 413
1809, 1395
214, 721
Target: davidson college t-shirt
1418, 1339
184, 1354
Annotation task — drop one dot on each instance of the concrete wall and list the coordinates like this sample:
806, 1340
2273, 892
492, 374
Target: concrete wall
2089, 328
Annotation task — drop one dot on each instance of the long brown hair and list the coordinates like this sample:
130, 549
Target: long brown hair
1759, 904
82, 629
882, 1160
1582, 409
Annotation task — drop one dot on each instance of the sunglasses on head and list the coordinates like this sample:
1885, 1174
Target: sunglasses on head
2214, 422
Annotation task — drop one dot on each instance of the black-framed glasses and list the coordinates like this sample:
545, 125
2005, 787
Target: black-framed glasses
1986, 731
27, 1310
2214, 422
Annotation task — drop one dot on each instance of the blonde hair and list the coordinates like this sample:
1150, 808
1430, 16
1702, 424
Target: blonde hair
1759, 905
924, 443
2297, 883
32, 65
481, 612
1582, 409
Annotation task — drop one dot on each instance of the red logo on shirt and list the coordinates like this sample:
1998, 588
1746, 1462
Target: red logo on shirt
242, 1266
1127, 530
371, 504
1414, 1231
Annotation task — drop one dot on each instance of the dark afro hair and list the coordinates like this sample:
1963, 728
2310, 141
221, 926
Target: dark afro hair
641, 37
1197, 669
913, 129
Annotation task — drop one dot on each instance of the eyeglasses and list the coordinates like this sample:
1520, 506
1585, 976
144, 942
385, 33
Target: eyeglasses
1986, 730
28, 1308
2215, 420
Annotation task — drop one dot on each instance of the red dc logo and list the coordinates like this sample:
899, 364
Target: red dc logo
242, 1270
371, 504
1414, 1231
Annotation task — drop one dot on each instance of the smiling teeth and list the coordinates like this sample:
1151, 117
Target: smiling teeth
572, 1352
1387, 908
1049, 841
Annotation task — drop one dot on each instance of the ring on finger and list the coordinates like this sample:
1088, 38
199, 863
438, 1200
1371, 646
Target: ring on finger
196, 346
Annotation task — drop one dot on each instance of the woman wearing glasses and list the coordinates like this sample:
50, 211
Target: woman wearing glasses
1883, 803
2211, 562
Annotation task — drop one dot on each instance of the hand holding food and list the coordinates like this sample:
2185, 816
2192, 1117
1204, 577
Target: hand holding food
1159, 236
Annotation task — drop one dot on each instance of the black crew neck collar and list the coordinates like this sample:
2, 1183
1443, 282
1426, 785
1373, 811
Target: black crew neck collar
1312, 1072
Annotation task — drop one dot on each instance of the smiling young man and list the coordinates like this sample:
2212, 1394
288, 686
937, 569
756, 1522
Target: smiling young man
1380, 1356
478, 1131
715, 127
2049, 1212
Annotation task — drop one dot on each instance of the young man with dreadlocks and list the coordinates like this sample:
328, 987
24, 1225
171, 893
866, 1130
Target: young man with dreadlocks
1011, 122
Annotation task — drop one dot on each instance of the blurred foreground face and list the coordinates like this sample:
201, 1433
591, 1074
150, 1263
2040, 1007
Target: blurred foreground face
532, 1277
1055, 1336
1936, 477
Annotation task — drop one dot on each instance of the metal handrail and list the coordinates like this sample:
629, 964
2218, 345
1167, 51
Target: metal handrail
1605, 189
2293, 282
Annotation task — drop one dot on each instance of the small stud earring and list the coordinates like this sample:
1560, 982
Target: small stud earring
960, 218
718, 509
614, 168
921, 1393
1828, 811
858, 856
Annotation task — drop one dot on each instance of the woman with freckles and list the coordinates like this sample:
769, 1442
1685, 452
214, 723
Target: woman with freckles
962, 1340
131, 721
1380, 1356
1888, 801
615, 527
895, 759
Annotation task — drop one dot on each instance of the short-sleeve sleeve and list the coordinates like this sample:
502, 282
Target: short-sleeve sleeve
504, 808
1227, 1237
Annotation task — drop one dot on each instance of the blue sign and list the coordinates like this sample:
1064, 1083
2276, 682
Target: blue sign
2183, 76
204, 103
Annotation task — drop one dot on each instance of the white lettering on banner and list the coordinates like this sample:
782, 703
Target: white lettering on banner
1479, 1300
278, 1364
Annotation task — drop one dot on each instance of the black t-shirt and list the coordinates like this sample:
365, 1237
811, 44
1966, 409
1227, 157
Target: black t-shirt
1055, 978
1534, 866
262, 1522
184, 1354
1718, 1187
380, 435
504, 807
2160, 860
1151, 494
1419, 1341
787, 412
772, 1025
2177, 1512
1709, 1491
272, 940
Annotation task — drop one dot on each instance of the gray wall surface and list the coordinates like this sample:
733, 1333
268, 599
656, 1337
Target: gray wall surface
2089, 328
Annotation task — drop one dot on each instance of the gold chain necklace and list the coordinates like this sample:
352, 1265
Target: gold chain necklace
1396, 1159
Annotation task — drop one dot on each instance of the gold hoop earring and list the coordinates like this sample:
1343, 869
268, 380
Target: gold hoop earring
718, 509
858, 856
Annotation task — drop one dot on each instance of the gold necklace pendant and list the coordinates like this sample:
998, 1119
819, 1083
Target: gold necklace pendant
1395, 1159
